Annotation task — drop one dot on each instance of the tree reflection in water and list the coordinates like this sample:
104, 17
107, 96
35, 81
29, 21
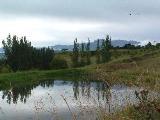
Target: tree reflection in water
80, 88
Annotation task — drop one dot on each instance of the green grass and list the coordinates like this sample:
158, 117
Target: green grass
34, 77
37, 75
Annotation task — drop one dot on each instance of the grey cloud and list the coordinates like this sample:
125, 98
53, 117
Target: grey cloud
139, 19
82, 9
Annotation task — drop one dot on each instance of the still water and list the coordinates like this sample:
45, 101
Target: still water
59, 99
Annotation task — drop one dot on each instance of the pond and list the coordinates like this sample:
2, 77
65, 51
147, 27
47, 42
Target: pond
60, 99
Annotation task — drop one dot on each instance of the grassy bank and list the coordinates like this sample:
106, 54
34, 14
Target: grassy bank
34, 77
142, 70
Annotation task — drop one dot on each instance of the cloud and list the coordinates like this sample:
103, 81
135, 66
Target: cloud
82, 9
44, 31
47, 22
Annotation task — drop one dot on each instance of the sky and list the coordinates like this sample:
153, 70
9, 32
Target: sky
51, 22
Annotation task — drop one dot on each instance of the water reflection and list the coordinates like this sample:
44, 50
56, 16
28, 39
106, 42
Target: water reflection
15, 93
24, 101
80, 88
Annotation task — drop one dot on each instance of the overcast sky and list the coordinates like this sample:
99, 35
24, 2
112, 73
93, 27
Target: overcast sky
50, 22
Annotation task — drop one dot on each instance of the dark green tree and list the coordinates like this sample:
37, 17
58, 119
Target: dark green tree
75, 55
98, 53
20, 55
149, 46
105, 50
88, 54
82, 55
129, 46
42, 57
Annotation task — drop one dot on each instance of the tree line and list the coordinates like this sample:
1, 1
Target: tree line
21, 55
81, 55
149, 45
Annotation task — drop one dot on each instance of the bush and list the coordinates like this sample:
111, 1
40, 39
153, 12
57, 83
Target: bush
2, 62
58, 63
5, 69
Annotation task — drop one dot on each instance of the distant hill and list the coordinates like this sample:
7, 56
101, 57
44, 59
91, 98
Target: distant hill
93, 45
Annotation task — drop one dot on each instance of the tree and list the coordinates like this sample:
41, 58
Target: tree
21, 55
42, 57
17, 52
47, 56
105, 51
82, 55
88, 54
98, 53
149, 45
129, 46
75, 55
158, 45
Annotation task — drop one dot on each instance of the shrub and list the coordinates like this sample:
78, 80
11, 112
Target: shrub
58, 63
2, 62
5, 69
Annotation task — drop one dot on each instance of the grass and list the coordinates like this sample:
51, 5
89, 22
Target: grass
142, 71
34, 77
145, 110
44, 74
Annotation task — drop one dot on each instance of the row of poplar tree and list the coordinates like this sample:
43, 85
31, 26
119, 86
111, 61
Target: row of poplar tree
81, 55
21, 55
